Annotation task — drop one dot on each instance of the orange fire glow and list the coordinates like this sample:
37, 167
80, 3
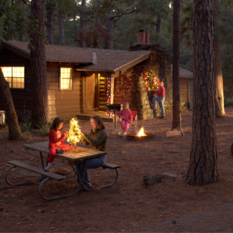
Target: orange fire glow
141, 133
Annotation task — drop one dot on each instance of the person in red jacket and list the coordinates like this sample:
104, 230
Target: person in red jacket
56, 141
160, 99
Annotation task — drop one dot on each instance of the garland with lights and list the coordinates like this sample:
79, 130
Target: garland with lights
110, 92
150, 81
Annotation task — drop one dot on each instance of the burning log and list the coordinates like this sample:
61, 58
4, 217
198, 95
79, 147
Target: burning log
157, 179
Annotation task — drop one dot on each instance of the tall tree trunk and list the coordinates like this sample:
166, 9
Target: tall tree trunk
219, 92
20, 34
76, 33
61, 28
12, 119
158, 27
49, 26
176, 121
82, 21
109, 28
203, 157
96, 33
38, 65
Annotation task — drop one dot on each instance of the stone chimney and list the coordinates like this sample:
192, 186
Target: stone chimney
143, 37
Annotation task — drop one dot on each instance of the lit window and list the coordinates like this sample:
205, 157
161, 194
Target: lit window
14, 76
66, 78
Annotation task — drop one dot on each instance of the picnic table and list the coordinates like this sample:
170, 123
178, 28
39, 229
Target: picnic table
82, 154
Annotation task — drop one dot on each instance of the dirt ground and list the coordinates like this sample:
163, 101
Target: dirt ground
128, 205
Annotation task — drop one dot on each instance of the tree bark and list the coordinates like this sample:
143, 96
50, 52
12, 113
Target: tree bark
219, 92
203, 157
61, 28
96, 33
38, 65
158, 27
82, 21
176, 121
20, 36
76, 33
49, 26
109, 28
12, 119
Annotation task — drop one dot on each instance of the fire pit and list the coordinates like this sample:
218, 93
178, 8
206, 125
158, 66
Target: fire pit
140, 136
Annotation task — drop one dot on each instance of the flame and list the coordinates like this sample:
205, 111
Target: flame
141, 133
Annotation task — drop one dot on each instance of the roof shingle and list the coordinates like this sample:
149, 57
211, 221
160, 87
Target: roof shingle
107, 60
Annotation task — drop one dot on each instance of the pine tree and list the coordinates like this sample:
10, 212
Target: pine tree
74, 134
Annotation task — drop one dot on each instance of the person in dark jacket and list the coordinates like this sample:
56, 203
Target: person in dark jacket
97, 138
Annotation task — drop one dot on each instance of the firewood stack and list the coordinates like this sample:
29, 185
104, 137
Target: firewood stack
174, 133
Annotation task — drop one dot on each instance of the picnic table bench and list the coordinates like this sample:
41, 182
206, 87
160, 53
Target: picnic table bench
42, 147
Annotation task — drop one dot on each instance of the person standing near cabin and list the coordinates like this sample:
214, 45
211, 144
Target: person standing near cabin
97, 138
160, 99
126, 116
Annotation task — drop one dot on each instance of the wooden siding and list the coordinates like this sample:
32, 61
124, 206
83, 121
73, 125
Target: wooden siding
22, 97
63, 103
184, 89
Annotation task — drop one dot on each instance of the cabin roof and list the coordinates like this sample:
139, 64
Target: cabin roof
106, 59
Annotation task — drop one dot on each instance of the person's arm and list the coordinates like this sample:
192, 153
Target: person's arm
120, 114
84, 140
53, 137
63, 136
157, 91
101, 138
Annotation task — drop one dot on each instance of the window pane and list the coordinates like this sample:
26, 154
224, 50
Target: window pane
7, 72
66, 78
18, 72
14, 76
18, 77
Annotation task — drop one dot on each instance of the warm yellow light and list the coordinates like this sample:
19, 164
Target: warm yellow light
141, 133
65, 78
14, 76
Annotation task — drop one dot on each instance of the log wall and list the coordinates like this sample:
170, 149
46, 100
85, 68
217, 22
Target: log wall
22, 97
64, 103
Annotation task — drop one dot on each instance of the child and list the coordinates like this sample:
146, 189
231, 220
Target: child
56, 141
126, 116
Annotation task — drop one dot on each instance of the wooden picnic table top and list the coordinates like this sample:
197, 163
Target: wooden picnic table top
71, 155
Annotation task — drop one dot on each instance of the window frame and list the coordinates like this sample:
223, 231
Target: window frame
12, 78
71, 78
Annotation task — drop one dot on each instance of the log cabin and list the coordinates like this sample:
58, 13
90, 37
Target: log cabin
84, 80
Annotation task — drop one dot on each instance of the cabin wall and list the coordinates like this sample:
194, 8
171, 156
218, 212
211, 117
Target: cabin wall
22, 98
64, 103
184, 89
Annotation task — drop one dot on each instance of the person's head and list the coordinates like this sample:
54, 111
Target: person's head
162, 83
96, 122
57, 124
125, 106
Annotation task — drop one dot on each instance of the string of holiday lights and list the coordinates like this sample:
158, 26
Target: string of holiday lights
110, 94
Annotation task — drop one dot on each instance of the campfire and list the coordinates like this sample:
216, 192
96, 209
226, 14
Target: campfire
141, 133
140, 136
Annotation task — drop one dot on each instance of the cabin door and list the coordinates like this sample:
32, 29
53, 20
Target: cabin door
101, 93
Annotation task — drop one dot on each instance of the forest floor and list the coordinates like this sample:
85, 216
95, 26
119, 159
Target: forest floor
128, 205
